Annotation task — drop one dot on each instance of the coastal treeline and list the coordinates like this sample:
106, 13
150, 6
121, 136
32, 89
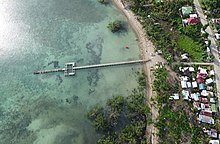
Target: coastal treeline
163, 24
176, 123
123, 119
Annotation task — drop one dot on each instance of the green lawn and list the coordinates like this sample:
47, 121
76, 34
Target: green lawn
194, 49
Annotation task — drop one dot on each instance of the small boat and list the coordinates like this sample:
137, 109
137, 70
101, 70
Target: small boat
126, 46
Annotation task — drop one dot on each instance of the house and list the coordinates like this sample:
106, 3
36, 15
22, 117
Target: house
209, 81
189, 84
192, 20
211, 72
201, 86
195, 96
175, 96
214, 142
204, 93
212, 100
202, 70
204, 100
217, 20
184, 56
196, 105
205, 107
217, 36
186, 10
183, 84
206, 117
193, 15
194, 84
212, 133
185, 94
191, 69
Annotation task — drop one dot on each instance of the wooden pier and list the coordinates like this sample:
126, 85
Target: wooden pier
110, 64
70, 68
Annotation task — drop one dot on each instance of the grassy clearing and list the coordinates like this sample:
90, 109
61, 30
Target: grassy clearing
194, 49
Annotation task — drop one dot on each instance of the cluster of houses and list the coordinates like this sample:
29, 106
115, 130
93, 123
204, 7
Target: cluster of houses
188, 16
197, 85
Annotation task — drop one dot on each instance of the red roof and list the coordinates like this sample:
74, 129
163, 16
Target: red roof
192, 20
206, 113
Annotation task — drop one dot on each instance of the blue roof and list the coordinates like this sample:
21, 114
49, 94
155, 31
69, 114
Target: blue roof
201, 86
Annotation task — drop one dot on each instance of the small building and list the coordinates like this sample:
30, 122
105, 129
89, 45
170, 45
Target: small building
193, 16
191, 69
186, 10
214, 142
201, 86
204, 100
204, 93
189, 84
183, 84
212, 100
185, 94
212, 133
175, 97
192, 20
195, 96
209, 81
202, 70
211, 72
194, 84
206, 119
184, 56
217, 36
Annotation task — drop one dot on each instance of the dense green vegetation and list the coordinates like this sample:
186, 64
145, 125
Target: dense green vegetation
164, 27
176, 123
191, 47
213, 7
115, 26
123, 119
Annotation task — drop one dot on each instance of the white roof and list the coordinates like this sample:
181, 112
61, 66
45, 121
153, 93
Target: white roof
184, 78
212, 72
206, 119
175, 96
183, 84
194, 84
212, 100
217, 36
189, 85
195, 96
191, 69
202, 70
184, 56
193, 15
209, 81
214, 142
204, 93
185, 94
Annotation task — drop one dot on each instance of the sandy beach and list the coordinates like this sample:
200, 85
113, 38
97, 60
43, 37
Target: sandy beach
146, 49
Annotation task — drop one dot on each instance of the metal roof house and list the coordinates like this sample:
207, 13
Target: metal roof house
186, 10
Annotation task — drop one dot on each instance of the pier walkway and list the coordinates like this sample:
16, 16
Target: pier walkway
69, 68
110, 64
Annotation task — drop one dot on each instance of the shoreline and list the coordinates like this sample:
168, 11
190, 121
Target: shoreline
146, 49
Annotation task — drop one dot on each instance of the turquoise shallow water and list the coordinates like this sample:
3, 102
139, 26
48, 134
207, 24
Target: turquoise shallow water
45, 34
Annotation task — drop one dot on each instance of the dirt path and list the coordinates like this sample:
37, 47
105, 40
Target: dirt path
146, 48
